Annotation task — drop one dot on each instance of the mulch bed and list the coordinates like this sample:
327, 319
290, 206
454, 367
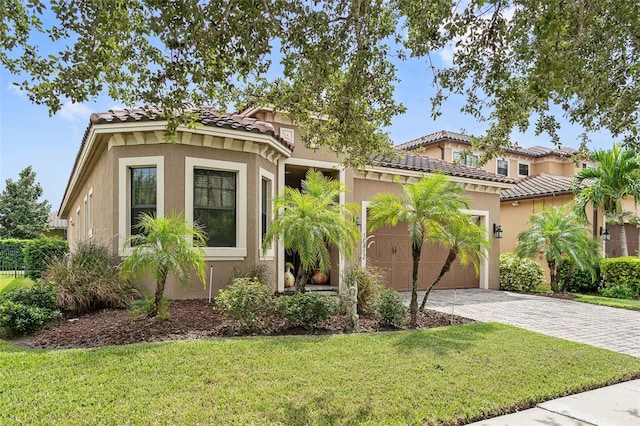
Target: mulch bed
565, 296
190, 319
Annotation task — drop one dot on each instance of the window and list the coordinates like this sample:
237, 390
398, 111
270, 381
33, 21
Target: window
266, 208
143, 195
214, 205
140, 190
523, 169
216, 198
470, 160
503, 167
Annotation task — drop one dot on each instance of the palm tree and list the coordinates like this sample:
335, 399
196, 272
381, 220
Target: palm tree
465, 240
423, 207
554, 233
311, 220
616, 177
164, 246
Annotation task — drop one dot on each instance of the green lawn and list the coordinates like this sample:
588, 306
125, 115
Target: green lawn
7, 283
411, 377
633, 305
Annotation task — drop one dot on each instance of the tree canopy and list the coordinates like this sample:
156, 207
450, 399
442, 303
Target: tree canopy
336, 59
21, 214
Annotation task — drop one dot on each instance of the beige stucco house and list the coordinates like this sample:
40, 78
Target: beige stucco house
224, 173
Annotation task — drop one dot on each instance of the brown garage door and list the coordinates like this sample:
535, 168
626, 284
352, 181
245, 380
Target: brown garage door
390, 251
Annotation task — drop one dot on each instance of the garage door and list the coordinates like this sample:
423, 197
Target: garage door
390, 251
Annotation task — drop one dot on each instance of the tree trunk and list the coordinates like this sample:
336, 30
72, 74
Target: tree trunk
157, 301
555, 284
301, 280
623, 240
453, 253
416, 251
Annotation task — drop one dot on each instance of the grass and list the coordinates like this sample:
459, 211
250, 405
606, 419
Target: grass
444, 375
7, 283
632, 304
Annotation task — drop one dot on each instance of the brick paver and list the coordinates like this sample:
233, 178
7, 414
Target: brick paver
601, 326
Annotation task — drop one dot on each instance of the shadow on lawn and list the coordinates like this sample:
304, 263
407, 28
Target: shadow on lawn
442, 341
317, 409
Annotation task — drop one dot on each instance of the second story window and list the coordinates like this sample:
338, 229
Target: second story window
503, 167
470, 160
523, 169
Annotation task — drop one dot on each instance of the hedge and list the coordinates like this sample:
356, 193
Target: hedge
621, 277
39, 252
579, 281
519, 274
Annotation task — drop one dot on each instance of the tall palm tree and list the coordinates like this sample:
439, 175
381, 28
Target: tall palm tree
616, 177
423, 207
164, 246
554, 233
465, 240
311, 220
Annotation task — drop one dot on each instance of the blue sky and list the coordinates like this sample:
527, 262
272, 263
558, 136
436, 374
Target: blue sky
29, 136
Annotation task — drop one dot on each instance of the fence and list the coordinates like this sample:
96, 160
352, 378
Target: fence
11, 263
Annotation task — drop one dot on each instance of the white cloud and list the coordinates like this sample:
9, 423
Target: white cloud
72, 111
17, 90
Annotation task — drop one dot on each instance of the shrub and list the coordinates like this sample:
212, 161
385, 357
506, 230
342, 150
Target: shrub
25, 310
390, 310
247, 302
308, 310
370, 283
519, 274
575, 280
89, 279
39, 253
621, 276
259, 272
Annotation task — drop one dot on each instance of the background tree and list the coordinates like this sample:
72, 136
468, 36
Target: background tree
465, 239
165, 246
21, 214
311, 220
615, 177
554, 233
425, 207
511, 59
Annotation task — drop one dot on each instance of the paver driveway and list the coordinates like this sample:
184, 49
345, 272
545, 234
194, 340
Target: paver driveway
601, 326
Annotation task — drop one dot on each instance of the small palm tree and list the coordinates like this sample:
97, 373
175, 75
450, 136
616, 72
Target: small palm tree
311, 220
164, 246
423, 207
465, 240
616, 176
554, 233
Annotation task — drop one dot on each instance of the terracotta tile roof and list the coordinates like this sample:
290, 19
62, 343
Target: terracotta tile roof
542, 185
426, 164
446, 136
207, 116
55, 222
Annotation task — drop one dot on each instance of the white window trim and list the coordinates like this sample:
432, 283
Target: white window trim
124, 188
497, 168
85, 228
90, 214
528, 164
78, 220
269, 254
239, 252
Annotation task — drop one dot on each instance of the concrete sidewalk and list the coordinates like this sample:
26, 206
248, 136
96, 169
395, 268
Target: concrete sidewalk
612, 405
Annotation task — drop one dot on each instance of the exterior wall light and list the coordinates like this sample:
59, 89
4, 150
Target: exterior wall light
604, 232
497, 231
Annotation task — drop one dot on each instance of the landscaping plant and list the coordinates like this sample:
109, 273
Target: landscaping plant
165, 246
555, 233
39, 253
390, 310
308, 310
246, 301
259, 272
621, 277
519, 273
25, 310
89, 279
369, 281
